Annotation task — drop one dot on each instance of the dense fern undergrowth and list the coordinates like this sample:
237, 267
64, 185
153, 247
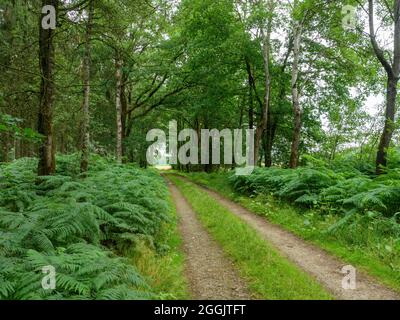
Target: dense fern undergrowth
341, 201
331, 188
342, 206
81, 227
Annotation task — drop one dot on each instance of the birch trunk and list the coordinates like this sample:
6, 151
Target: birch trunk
46, 164
294, 154
118, 77
86, 93
262, 125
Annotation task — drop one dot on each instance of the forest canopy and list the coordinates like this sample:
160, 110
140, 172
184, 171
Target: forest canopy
308, 76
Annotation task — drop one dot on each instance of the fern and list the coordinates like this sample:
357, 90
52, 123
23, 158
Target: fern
334, 191
73, 224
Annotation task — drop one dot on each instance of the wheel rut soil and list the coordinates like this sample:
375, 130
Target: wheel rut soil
313, 260
211, 275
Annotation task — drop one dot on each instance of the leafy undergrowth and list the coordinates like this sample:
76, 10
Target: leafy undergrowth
330, 190
87, 229
361, 227
270, 276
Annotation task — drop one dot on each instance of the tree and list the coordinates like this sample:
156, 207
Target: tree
297, 33
294, 154
118, 85
86, 91
266, 51
393, 73
47, 150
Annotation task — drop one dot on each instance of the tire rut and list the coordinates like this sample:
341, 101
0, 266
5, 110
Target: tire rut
211, 275
313, 260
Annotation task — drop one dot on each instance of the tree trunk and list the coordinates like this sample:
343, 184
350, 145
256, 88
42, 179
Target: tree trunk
45, 120
294, 154
118, 77
387, 134
332, 156
251, 104
124, 114
393, 72
262, 124
269, 138
86, 93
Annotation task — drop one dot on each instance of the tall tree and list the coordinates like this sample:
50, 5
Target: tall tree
297, 111
45, 121
118, 105
393, 73
85, 139
266, 50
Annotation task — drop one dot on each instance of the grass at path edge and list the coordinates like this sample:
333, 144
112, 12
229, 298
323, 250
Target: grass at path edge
293, 219
269, 275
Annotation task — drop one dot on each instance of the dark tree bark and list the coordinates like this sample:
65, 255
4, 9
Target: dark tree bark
251, 83
393, 72
388, 129
45, 120
86, 93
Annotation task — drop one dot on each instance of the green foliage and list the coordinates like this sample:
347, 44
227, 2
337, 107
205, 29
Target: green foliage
77, 226
366, 239
353, 208
13, 125
321, 187
83, 272
301, 185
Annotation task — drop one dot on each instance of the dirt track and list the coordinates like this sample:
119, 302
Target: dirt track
211, 275
315, 261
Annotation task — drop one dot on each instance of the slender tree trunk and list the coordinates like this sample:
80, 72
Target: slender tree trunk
7, 25
118, 77
387, 134
274, 117
294, 154
251, 101
45, 120
393, 72
62, 141
17, 148
269, 138
124, 113
7, 147
86, 93
332, 156
261, 126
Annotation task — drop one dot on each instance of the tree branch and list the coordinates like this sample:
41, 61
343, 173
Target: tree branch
378, 51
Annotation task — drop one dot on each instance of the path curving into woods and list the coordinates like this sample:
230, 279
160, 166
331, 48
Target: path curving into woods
324, 267
211, 275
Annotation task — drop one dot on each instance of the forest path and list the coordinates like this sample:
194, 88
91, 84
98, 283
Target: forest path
313, 260
211, 275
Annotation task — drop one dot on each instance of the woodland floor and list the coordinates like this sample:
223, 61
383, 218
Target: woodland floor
212, 275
